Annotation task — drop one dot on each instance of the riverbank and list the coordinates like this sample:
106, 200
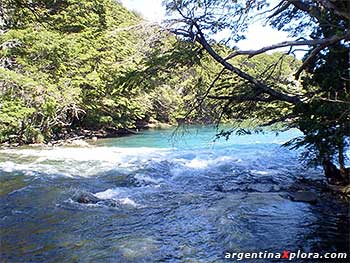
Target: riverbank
79, 137
70, 136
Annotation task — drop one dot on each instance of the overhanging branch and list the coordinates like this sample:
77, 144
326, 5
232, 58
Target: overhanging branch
314, 42
241, 98
279, 9
257, 84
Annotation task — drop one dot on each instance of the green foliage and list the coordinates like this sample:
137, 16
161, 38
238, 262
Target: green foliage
248, 105
325, 120
11, 112
64, 65
166, 104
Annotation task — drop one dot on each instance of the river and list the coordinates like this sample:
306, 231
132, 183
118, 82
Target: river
164, 198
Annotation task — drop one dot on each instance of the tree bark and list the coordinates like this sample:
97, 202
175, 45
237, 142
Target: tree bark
341, 161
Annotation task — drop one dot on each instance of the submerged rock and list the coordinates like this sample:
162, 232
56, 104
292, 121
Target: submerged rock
220, 188
304, 196
86, 198
89, 198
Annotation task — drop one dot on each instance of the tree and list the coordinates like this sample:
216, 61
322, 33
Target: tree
320, 106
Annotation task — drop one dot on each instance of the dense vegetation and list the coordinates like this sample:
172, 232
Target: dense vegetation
63, 64
69, 65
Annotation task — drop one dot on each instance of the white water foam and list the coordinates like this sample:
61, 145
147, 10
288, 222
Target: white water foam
31, 169
94, 161
212, 162
147, 179
110, 154
128, 201
109, 193
86, 162
82, 162
258, 172
118, 195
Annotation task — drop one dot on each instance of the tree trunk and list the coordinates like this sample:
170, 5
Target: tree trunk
341, 161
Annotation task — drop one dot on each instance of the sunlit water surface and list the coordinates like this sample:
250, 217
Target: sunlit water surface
164, 199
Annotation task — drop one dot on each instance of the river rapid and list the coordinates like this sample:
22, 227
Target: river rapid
164, 198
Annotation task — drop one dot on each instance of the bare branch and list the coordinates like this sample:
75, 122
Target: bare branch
273, 67
242, 98
281, 7
314, 42
335, 100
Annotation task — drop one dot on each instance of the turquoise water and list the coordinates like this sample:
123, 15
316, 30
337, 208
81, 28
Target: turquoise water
197, 137
164, 197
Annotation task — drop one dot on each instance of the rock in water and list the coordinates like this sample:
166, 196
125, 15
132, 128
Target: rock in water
86, 198
304, 196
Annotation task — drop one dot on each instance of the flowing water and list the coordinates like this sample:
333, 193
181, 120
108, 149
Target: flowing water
164, 199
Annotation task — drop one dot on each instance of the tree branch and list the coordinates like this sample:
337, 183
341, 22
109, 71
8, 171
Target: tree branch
259, 85
336, 101
242, 98
314, 42
274, 121
280, 8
